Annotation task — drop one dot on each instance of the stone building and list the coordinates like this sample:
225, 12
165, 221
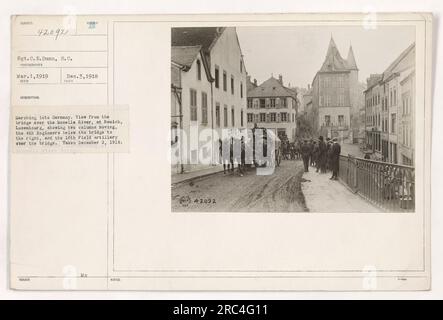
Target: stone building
390, 110
337, 94
212, 88
273, 106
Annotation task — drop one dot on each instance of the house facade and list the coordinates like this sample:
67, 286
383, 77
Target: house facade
390, 109
212, 85
273, 106
336, 94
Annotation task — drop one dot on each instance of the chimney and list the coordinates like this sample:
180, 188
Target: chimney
255, 82
280, 79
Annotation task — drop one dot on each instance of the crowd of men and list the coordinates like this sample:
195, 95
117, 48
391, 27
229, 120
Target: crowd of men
322, 155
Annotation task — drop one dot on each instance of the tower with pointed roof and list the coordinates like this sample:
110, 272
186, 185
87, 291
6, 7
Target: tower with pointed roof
336, 93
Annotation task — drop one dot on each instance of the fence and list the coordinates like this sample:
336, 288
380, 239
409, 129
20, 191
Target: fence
389, 186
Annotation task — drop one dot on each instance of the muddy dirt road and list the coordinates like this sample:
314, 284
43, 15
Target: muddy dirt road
279, 192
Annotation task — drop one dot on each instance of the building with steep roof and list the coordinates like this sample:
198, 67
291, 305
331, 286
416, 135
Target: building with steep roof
208, 91
272, 105
337, 95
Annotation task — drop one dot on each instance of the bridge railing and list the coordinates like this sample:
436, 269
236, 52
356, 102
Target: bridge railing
389, 186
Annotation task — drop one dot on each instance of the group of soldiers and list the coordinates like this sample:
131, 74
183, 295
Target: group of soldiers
322, 155
319, 153
228, 156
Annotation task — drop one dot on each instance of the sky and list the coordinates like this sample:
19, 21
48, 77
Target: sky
298, 52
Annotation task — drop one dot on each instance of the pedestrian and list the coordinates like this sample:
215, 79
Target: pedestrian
315, 156
321, 155
335, 158
242, 164
225, 155
328, 154
305, 153
311, 155
231, 154
220, 151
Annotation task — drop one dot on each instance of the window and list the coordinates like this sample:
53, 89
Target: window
193, 104
406, 161
272, 103
273, 117
393, 120
217, 114
283, 102
393, 152
241, 66
232, 117
262, 117
204, 108
225, 85
199, 70
232, 84
225, 116
327, 120
250, 117
262, 103
249, 103
241, 118
341, 120
341, 100
395, 97
194, 156
406, 104
284, 117
241, 89
217, 77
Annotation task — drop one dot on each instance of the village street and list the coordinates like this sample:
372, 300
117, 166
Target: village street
279, 192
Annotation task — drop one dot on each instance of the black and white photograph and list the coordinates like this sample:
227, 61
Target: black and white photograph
293, 119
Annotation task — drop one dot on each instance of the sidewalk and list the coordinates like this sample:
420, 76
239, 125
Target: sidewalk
324, 195
183, 177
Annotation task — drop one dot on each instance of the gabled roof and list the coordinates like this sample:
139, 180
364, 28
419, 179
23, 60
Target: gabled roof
392, 69
271, 88
185, 55
204, 36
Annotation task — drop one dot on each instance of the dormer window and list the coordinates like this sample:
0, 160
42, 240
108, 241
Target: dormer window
199, 70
